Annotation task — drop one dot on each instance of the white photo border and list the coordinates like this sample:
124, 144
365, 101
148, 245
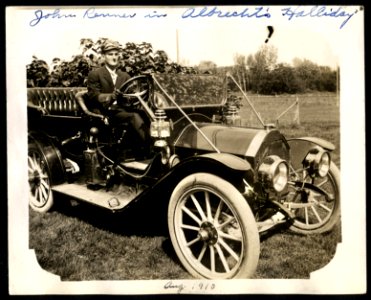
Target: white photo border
341, 276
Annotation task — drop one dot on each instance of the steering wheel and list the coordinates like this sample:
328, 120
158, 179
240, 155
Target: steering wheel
139, 85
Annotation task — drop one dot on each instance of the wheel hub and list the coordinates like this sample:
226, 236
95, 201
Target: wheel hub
34, 178
208, 233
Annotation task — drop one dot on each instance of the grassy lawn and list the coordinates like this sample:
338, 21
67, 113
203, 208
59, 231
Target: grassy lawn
103, 248
80, 242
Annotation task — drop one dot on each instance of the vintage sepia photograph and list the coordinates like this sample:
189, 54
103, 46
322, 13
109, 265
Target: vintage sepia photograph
174, 150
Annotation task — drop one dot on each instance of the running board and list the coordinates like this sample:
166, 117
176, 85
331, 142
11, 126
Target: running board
137, 165
107, 199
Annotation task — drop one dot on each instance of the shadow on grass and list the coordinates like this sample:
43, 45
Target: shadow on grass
145, 219
135, 238
279, 228
142, 219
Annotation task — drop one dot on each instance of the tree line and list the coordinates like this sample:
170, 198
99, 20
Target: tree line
136, 59
260, 73
257, 73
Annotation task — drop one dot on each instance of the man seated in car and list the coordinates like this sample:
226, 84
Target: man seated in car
103, 84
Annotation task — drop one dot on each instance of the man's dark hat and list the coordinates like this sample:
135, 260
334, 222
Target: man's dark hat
110, 45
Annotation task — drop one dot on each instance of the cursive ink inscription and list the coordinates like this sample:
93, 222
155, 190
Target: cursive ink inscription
318, 11
171, 285
40, 15
92, 13
155, 14
258, 12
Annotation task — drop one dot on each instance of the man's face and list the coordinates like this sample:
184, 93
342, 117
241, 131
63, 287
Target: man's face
112, 58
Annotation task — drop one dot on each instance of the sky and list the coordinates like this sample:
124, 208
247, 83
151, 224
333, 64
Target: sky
218, 46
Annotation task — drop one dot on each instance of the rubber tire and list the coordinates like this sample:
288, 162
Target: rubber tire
241, 210
50, 199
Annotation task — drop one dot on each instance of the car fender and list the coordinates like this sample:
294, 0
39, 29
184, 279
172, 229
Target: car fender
231, 161
52, 155
299, 148
226, 166
315, 140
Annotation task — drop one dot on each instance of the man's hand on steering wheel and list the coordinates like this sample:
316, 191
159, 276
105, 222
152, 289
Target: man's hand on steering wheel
119, 98
113, 98
134, 87
116, 94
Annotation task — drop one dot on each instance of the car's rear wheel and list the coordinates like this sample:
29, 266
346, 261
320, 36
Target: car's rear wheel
40, 193
212, 228
316, 203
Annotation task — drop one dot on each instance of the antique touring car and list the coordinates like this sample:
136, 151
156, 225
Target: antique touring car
223, 183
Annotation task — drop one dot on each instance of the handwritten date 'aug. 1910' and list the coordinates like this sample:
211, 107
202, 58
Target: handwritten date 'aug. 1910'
189, 287
289, 13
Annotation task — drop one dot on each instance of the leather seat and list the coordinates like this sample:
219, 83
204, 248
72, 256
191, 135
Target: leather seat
55, 101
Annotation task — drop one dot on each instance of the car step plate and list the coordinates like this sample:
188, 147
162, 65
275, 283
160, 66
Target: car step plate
101, 197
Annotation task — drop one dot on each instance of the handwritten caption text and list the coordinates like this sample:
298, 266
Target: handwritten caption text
343, 14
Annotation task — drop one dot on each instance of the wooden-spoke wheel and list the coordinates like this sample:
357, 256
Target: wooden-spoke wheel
212, 228
40, 193
316, 202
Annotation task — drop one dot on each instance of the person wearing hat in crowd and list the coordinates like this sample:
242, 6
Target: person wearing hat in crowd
103, 84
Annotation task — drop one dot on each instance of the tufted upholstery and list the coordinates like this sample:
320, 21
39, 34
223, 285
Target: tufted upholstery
56, 101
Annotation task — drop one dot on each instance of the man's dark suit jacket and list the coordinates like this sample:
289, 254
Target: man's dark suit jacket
100, 82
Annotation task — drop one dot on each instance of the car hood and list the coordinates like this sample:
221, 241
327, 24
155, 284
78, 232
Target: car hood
240, 141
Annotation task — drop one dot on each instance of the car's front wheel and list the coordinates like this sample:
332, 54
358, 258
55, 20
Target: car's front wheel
316, 203
212, 228
40, 193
